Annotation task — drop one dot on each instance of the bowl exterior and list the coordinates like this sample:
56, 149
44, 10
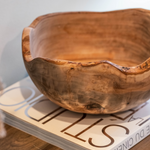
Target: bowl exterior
98, 89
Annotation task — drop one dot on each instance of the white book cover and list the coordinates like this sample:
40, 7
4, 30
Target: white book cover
29, 110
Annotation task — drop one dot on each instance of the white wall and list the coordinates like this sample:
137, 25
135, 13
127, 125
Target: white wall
17, 14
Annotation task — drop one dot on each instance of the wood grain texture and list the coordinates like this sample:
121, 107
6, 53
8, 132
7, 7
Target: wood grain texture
89, 62
18, 140
143, 145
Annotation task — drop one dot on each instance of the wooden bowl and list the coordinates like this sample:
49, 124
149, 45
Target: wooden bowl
90, 62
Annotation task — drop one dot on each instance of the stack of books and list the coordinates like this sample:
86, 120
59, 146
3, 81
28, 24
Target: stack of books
29, 110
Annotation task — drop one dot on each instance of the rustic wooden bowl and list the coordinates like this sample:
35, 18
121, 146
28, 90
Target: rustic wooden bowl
90, 62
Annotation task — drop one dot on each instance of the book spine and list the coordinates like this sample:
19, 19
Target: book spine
128, 143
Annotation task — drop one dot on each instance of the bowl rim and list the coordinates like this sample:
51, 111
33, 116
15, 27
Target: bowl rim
138, 69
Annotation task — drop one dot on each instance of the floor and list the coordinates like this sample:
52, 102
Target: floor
18, 140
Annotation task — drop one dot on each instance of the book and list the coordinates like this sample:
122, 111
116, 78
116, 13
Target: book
29, 110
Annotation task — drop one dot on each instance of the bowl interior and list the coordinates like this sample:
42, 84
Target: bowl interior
122, 37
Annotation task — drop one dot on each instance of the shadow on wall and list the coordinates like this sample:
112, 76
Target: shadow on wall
12, 68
